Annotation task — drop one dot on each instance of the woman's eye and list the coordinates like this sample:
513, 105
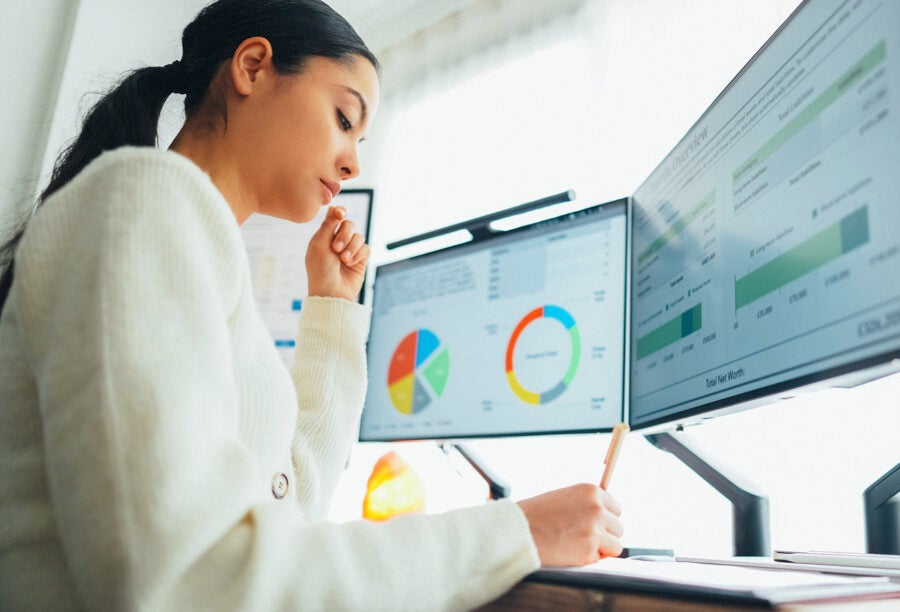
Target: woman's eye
345, 123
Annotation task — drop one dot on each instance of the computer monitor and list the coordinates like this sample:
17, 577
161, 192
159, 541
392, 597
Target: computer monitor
277, 252
766, 245
522, 332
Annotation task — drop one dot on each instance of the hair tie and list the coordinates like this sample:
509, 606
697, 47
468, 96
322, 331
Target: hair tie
176, 77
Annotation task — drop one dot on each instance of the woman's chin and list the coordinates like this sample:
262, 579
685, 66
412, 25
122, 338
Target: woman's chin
303, 213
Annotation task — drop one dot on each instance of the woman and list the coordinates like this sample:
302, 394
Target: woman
155, 453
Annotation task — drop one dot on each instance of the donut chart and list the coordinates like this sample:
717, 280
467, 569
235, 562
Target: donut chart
418, 371
563, 317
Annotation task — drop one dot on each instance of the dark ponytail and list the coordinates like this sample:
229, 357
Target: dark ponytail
129, 114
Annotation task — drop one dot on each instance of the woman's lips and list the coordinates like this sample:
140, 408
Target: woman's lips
331, 188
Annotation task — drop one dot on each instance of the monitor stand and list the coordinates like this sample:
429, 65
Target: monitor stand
750, 510
882, 509
498, 488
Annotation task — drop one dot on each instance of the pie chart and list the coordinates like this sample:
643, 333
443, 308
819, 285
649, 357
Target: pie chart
418, 372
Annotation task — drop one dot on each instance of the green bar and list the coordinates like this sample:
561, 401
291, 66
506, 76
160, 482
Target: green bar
671, 331
838, 238
846, 81
677, 227
576, 355
855, 230
690, 321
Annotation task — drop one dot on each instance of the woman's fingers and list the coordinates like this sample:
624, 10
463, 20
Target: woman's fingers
574, 525
349, 245
362, 253
342, 236
351, 248
610, 503
331, 224
614, 526
336, 257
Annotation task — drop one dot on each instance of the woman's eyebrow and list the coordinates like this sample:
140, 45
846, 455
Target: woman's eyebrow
362, 102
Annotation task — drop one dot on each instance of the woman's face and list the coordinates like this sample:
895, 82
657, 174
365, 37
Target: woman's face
304, 141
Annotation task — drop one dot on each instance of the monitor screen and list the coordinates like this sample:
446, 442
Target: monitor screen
519, 333
766, 245
276, 250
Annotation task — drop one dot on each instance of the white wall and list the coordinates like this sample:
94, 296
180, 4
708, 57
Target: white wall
33, 42
109, 39
61, 54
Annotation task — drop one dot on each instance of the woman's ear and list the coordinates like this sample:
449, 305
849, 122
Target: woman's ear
251, 60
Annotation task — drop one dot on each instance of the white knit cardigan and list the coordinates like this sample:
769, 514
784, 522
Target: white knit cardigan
148, 427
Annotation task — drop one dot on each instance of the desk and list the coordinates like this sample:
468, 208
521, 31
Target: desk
529, 596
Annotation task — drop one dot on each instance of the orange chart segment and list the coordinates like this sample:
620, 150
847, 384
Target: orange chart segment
532, 316
403, 363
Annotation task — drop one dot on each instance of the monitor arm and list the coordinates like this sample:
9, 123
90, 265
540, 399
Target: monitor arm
881, 502
750, 510
498, 488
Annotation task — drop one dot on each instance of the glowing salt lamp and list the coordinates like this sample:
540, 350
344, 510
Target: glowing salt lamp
393, 489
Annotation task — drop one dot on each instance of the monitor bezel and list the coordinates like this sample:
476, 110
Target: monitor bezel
846, 375
623, 206
366, 235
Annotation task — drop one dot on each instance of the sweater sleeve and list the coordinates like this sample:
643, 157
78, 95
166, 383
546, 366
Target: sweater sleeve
124, 291
329, 373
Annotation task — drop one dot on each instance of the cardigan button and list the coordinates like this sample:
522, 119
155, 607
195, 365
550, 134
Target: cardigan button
280, 485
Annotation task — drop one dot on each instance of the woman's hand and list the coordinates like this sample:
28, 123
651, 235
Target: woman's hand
574, 526
336, 258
